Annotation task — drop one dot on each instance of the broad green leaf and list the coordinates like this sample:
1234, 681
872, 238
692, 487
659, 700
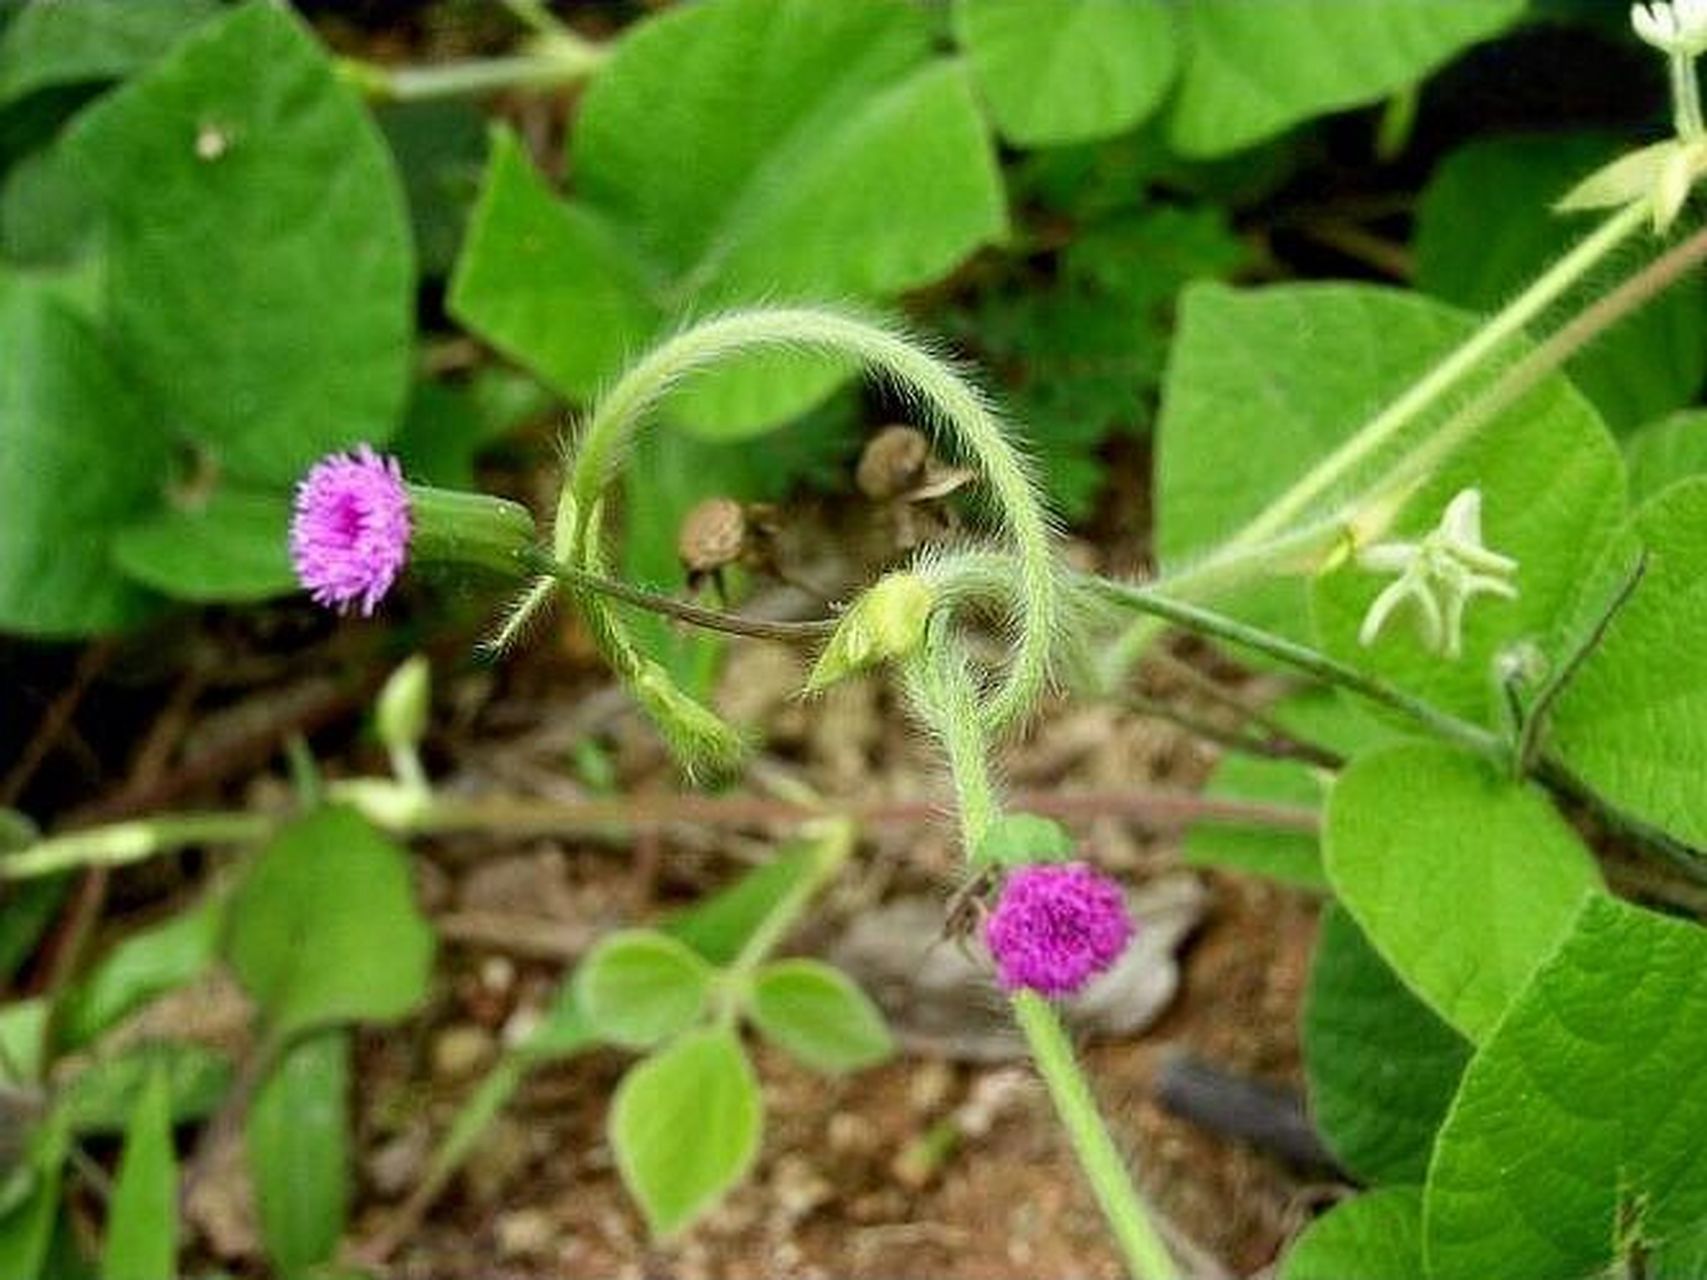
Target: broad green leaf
1016, 839
299, 1157
1463, 880
546, 282
1291, 857
1265, 383
68, 42
1377, 1236
1552, 489
144, 965
101, 1097
833, 156
230, 548
639, 987
1485, 228
48, 213
1579, 1120
1056, 71
1663, 452
442, 432
1256, 69
1633, 722
819, 1015
325, 929
258, 248
700, 1085
1382, 1066
142, 1217
84, 456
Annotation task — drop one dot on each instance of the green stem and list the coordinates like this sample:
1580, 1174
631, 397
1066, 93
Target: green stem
1686, 98
127, 842
553, 61
941, 686
832, 843
1248, 552
1147, 1255
1300, 657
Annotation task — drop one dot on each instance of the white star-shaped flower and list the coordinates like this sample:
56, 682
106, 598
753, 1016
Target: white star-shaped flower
1672, 26
1441, 573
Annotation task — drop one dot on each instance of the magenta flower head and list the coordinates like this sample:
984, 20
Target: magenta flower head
349, 538
1055, 927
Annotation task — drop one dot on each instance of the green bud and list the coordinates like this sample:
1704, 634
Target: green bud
701, 741
885, 624
475, 529
400, 715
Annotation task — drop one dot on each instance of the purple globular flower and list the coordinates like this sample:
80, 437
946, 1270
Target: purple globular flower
1055, 927
349, 538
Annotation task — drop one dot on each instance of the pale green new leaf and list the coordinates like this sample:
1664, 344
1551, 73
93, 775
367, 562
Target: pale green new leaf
1377, 1236
1381, 1065
685, 1126
299, 1157
231, 548
1579, 1121
1258, 67
1632, 724
819, 1015
1060, 71
142, 1217
1462, 879
259, 272
325, 929
638, 987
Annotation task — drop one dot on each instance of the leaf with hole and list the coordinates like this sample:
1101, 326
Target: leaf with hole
257, 247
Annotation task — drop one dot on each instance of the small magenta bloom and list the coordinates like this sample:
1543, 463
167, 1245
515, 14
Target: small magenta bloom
349, 538
1055, 927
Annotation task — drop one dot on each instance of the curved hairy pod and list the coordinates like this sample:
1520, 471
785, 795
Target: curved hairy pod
950, 404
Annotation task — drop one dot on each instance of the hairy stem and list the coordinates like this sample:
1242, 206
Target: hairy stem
1247, 553
1147, 1256
954, 405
